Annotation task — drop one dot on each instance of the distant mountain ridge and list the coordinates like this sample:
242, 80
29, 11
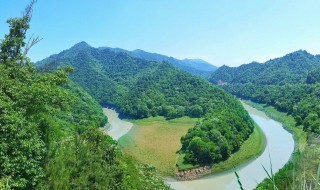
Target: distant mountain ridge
291, 68
197, 67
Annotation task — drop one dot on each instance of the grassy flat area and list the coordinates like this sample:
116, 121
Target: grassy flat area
156, 140
287, 121
181, 165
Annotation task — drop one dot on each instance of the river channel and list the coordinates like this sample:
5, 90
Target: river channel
280, 146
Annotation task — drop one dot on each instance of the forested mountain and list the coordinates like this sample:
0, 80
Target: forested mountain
292, 68
199, 64
313, 76
194, 66
288, 83
49, 129
141, 88
291, 85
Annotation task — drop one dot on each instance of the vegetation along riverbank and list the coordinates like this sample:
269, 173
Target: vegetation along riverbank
303, 168
156, 141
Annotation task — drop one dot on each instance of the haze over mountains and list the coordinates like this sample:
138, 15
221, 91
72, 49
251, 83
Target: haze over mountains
197, 67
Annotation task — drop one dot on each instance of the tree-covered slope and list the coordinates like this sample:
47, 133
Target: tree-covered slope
197, 67
313, 76
291, 85
292, 68
106, 75
49, 137
141, 88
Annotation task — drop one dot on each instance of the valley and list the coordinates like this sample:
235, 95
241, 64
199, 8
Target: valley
97, 117
280, 146
287, 89
156, 140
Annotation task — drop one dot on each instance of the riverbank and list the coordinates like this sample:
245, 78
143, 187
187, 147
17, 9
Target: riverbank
156, 140
116, 127
251, 149
304, 164
280, 145
287, 121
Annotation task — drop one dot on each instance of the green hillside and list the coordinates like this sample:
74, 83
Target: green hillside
139, 88
291, 85
49, 129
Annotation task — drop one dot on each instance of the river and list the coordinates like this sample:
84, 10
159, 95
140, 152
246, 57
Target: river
280, 146
118, 127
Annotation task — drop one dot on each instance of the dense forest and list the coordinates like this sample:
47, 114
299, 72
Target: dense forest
299, 100
49, 129
291, 85
220, 134
139, 88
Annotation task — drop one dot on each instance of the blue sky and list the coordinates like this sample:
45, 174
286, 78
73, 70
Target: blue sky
220, 32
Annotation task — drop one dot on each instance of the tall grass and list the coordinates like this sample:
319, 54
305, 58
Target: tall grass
238, 179
303, 183
271, 176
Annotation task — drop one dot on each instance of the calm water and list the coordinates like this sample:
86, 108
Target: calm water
280, 146
118, 127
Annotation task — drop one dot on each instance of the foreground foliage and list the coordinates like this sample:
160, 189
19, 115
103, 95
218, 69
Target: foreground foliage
93, 161
48, 129
25, 96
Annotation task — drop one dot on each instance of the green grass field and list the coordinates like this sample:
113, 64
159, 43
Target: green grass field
156, 140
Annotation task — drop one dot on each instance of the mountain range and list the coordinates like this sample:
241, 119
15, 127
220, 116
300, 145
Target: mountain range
291, 68
197, 67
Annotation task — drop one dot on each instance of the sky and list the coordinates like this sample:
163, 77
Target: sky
222, 32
